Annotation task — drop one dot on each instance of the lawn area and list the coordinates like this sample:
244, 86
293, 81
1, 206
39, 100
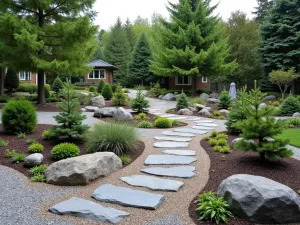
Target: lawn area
293, 135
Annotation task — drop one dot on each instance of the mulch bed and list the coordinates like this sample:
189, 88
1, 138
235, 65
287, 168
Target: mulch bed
21, 146
150, 118
285, 171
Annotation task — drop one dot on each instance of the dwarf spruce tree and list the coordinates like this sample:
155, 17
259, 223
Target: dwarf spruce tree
57, 85
100, 86
139, 104
70, 120
11, 81
119, 97
259, 126
182, 101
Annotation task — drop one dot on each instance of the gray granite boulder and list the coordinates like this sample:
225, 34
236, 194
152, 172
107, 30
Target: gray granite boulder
296, 115
169, 97
105, 112
210, 109
204, 96
87, 209
98, 101
160, 97
185, 112
32, 160
122, 114
260, 199
262, 105
212, 101
270, 97
193, 109
83, 169
198, 106
213, 95
91, 108
204, 112
224, 112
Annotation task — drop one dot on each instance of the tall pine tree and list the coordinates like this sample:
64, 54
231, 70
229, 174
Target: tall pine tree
191, 44
262, 9
130, 34
139, 67
117, 51
280, 45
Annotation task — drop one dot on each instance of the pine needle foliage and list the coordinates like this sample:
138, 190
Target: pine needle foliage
182, 101
139, 104
120, 98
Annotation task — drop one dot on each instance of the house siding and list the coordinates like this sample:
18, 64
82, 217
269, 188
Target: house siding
108, 77
200, 85
33, 78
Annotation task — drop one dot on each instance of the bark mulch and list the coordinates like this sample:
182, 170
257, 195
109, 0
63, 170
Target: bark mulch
285, 171
21, 146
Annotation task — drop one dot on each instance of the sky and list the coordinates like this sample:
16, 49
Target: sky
110, 10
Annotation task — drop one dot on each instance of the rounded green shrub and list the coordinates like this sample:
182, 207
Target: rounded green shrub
119, 97
145, 124
182, 101
114, 87
57, 85
225, 100
11, 81
19, 116
92, 89
175, 123
290, 106
47, 135
64, 151
100, 86
162, 123
36, 148
107, 92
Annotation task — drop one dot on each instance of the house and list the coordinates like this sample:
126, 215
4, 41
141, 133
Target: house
184, 83
101, 71
29, 77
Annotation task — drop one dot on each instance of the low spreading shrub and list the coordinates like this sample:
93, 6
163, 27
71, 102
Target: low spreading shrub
64, 151
47, 135
290, 106
31, 141
162, 123
126, 91
18, 157
175, 123
111, 137
294, 122
92, 88
145, 124
37, 170
38, 178
9, 153
141, 116
21, 135
3, 143
35, 148
216, 113
126, 159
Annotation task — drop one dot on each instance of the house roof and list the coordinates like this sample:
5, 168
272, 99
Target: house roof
101, 63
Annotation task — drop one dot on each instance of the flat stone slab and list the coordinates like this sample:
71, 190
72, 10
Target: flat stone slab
190, 130
180, 152
168, 116
172, 133
87, 209
204, 121
169, 160
153, 183
127, 197
157, 113
178, 118
192, 119
171, 144
207, 124
173, 139
203, 128
180, 171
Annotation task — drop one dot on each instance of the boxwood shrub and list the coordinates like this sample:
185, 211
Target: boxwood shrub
64, 151
162, 123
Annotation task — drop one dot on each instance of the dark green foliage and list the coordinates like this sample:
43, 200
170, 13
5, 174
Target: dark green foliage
24, 87
57, 85
107, 92
70, 120
225, 100
130, 34
36, 148
11, 81
37, 170
259, 125
92, 88
175, 123
139, 66
119, 97
262, 9
156, 91
114, 87
139, 104
100, 86
145, 124
19, 116
112, 137
290, 106
162, 123
64, 151
182, 101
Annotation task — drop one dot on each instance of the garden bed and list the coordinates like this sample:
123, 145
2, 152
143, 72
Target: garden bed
21, 146
285, 171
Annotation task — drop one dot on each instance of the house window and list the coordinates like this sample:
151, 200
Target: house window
25, 75
97, 74
183, 80
204, 79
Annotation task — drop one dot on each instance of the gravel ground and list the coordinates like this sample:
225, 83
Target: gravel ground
170, 220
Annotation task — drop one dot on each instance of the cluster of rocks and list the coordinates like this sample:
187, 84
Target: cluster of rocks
98, 102
202, 110
117, 113
210, 98
169, 96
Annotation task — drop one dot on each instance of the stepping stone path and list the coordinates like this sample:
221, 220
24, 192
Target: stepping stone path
153, 183
168, 116
202, 128
204, 121
128, 197
180, 152
207, 125
169, 160
180, 171
173, 139
178, 118
190, 130
171, 144
172, 133
87, 209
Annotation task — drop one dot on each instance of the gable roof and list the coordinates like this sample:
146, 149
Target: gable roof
101, 63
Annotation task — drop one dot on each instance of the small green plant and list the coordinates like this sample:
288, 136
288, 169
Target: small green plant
57, 85
175, 123
217, 148
107, 92
35, 148
64, 151
275, 104
126, 91
126, 159
221, 118
18, 157
38, 178
221, 136
141, 116
216, 113
9, 153
213, 142
3, 143
196, 101
37, 170
88, 99
182, 101
47, 135
92, 89
145, 124
206, 138
294, 122
290, 106
156, 91
225, 149
225, 100
139, 104
119, 97
214, 134
31, 141
21, 135
162, 123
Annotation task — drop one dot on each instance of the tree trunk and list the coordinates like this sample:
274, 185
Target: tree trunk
41, 87
2, 75
194, 86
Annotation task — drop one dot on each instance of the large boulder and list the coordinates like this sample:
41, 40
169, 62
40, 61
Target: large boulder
204, 112
198, 106
224, 112
185, 112
169, 97
160, 97
262, 105
213, 95
32, 160
204, 96
122, 114
296, 115
212, 101
105, 112
260, 199
270, 97
82, 96
83, 169
98, 101
90, 108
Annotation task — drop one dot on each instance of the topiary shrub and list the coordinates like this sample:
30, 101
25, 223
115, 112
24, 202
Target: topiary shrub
19, 116
36, 148
290, 106
139, 104
64, 151
182, 101
11, 81
100, 86
162, 123
107, 92
92, 89
57, 85
111, 137
145, 124
119, 97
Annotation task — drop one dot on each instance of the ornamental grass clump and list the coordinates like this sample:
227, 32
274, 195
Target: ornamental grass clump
112, 137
